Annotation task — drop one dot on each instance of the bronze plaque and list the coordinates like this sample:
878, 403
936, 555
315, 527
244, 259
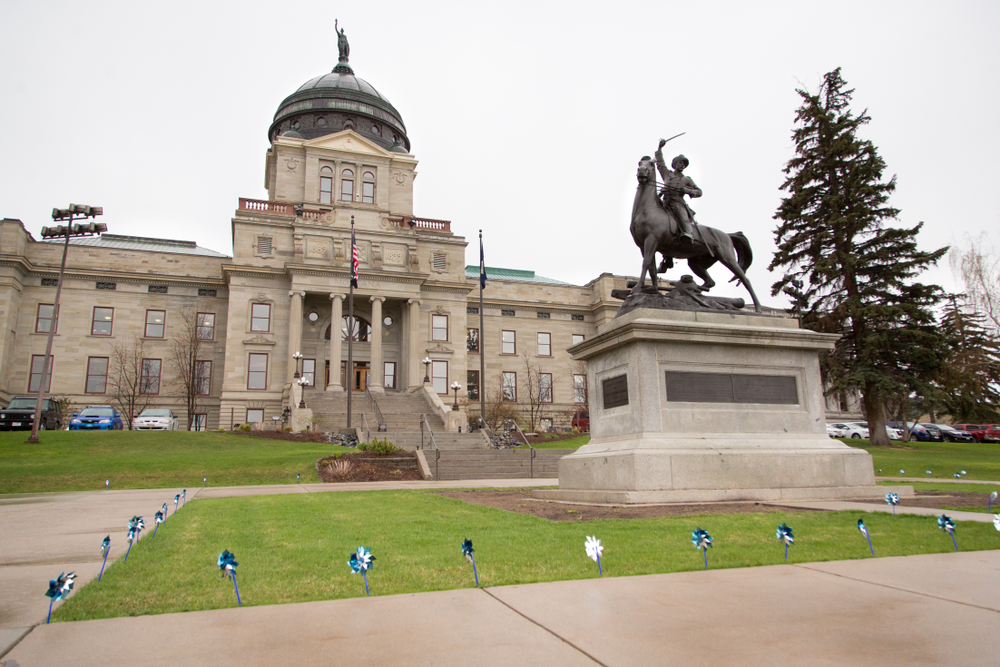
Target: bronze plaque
731, 388
615, 391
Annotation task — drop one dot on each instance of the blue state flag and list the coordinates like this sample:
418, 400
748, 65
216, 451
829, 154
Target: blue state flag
482, 264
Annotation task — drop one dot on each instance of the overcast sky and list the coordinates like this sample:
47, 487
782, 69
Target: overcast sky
528, 119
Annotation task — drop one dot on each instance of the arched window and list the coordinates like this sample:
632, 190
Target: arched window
368, 188
347, 185
359, 329
326, 185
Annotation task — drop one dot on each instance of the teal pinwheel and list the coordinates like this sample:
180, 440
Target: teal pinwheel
105, 549
784, 535
946, 524
227, 563
59, 588
157, 519
362, 561
864, 531
892, 499
467, 552
702, 540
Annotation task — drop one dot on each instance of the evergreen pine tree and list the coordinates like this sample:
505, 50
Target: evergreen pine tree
848, 272
968, 383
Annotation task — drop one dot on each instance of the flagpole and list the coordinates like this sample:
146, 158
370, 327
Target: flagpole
350, 326
482, 335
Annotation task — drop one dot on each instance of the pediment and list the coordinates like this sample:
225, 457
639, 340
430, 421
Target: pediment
348, 141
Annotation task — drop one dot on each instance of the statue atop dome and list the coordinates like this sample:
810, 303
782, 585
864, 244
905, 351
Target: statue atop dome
342, 45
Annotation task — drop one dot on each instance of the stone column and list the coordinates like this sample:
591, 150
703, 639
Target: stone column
294, 331
338, 314
375, 375
415, 373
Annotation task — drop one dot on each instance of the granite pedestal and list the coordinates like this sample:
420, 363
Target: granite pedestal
706, 406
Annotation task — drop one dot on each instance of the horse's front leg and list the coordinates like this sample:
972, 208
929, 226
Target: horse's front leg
700, 267
648, 264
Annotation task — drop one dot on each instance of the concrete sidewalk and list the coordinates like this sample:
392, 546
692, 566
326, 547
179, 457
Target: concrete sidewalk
939, 609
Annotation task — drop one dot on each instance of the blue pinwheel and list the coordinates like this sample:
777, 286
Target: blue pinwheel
135, 526
105, 548
166, 512
946, 524
864, 531
902, 472
928, 472
784, 534
702, 540
594, 550
467, 552
892, 499
361, 562
990, 499
177, 499
59, 589
227, 563
184, 496
158, 519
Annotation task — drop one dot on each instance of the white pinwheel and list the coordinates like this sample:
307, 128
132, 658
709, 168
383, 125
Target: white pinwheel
594, 548
996, 521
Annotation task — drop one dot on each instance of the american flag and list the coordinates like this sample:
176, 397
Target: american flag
354, 259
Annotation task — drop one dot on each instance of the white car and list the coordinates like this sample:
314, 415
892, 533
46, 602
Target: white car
155, 419
836, 431
893, 433
851, 430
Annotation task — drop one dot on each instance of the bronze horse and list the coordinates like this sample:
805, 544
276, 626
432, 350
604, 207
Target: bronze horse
655, 230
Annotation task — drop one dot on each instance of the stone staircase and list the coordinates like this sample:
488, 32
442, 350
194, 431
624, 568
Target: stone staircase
496, 463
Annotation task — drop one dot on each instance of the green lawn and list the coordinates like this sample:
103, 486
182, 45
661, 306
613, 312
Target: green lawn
77, 461
295, 549
943, 459
569, 443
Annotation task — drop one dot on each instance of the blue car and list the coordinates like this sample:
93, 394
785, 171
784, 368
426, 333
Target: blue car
96, 418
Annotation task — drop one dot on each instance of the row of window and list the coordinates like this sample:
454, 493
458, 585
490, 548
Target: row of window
508, 342
347, 193
508, 386
97, 375
102, 322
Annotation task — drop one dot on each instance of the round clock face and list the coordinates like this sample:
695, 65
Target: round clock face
313, 316
387, 321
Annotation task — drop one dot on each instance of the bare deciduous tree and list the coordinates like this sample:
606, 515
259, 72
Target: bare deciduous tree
537, 389
192, 373
978, 265
130, 378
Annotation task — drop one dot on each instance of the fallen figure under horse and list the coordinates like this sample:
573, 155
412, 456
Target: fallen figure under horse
655, 230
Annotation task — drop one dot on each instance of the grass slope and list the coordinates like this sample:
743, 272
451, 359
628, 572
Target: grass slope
295, 549
943, 459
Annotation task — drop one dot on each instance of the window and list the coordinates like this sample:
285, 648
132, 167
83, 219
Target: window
357, 329
576, 318
545, 387
439, 327
578, 338
111, 287
257, 371
255, 415
472, 340
264, 245
50, 282
202, 378
439, 376
103, 319
472, 385
368, 188
44, 319
149, 380
507, 342
544, 316
37, 368
309, 372
347, 185
154, 323
202, 291
205, 326
472, 310
389, 375
199, 422
579, 388
97, 375
326, 185
508, 386
260, 317
544, 344
157, 289
507, 313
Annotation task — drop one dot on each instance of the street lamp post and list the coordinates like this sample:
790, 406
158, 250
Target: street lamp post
455, 386
71, 215
302, 394
298, 363
427, 369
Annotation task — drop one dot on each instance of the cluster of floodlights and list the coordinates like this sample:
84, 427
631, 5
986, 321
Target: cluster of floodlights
75, 212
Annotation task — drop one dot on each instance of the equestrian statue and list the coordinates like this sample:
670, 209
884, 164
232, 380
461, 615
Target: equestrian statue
664, 223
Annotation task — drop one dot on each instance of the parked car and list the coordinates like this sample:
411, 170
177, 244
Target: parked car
581, 420
835, 432
894, 434
96, 418
155, 419
850, 430
19, 415
992, 433
979, 432
917, 432
949, 434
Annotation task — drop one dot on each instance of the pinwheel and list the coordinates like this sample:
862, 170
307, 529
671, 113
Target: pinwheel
184, 497
297, 477
964, 473
105, 548
467, 552
958, 476
133, 533
702, 540
166, 512
227, 563
996, 521
902, 472
892, 499
946, 524
594, 551
177, 499
990, 499
361, 562
59, 589
784, 534
928, 472
864, 531
204, 481
107, 483
158, 518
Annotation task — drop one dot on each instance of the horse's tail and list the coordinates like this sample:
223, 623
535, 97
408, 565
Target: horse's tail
744, 255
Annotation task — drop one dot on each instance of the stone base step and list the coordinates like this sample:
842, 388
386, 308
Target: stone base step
496, 463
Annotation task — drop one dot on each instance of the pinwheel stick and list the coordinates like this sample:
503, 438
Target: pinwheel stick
474, 569
599, 571
364, 573
49, 619
155, 529
128, 552
705, 551
953, 540
870, 543
786, 550
106, 552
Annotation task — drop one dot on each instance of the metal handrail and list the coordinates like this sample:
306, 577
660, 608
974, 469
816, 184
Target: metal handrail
437, 450
524, 439
374, 405
489, 431
368, 431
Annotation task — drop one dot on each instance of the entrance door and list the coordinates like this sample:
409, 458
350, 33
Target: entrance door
361, 376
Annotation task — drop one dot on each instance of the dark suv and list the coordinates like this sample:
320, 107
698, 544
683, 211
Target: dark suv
20, 414
581, 420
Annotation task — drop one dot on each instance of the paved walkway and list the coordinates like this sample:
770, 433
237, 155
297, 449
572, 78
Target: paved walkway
920, 610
